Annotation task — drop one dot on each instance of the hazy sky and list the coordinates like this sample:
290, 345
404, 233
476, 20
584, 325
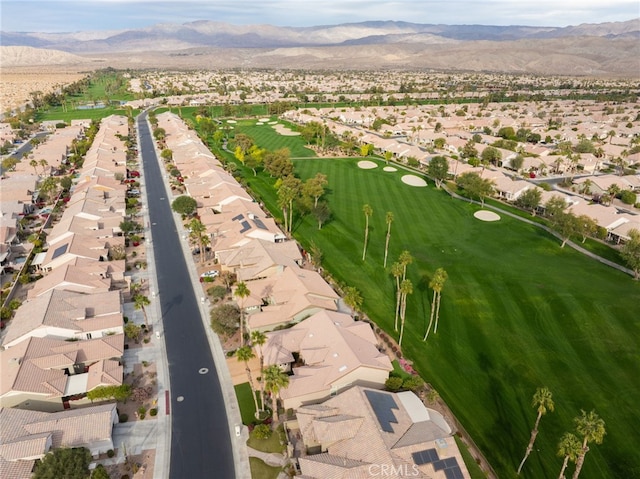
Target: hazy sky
68, 16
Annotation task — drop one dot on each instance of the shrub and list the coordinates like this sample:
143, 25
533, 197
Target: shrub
262, 431
414, 383
628, 197
123, 417
142, 410
111, 453
217, 292
393, 383
153, 412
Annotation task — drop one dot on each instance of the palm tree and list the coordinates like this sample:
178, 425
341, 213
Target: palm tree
405, 260
245, 354
570, 448
389, 220
543, 400
406, 288
368, 211
591, 427
242, 292
139, 302
197, 233
275, 379
33, 164
440, 278
436, 284
258, 339
44, 164
396, 271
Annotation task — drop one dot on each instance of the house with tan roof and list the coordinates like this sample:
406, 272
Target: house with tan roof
26, 436
364, 432
64, 314
78, 246
327, 353
287, 297
45, 374
260, 259
80, 275
19, 187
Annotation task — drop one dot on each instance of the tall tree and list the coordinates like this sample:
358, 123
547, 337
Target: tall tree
543, 401
314, 187
591, 427
258, 339
569, 448
436, 284
406, 288
198, 234
405, 260
396, 271
389, 220
438, 169
353, 299
241, 293
275, 380
64, 463
288, 191
33, 164
368, 211
140, 301
184, 205
631, 252
245, 354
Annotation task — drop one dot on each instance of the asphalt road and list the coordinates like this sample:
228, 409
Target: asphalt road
200, 442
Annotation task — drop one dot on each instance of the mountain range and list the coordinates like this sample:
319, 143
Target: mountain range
587, 49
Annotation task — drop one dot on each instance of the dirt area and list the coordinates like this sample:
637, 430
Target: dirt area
17, 84
143, 383
137, 467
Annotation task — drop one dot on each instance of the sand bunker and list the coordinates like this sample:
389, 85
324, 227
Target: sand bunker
485, 215
413, 180
232, 121
390, 168
367, 165
284, 131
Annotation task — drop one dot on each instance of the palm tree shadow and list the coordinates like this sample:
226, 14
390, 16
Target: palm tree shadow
425, 306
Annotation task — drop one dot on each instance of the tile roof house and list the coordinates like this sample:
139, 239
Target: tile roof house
29, 435
287, 297
336, 352
47, 374
260, 259
66, 315
82, 276
363, 432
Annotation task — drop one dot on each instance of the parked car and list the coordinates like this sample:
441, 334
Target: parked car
209, 275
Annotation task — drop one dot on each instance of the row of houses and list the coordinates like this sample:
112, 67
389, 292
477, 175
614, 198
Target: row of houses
67, 338
336, 367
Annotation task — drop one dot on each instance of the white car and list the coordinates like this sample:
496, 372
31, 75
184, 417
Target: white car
210, 274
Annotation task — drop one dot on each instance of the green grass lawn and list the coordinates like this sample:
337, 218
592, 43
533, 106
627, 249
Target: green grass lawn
518, 312
266, 137
272, 444
260, 470
246, 404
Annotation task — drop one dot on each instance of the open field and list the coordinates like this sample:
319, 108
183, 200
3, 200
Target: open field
518, 312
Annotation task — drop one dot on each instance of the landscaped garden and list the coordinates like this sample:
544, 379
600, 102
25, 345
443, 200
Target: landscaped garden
518, 312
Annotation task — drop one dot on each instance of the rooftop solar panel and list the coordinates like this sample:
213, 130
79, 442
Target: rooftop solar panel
245, 226
259, 223
60, 250
238, 217
425, 457
382, 405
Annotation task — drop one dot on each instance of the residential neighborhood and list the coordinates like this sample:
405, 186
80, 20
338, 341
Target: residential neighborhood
87, 332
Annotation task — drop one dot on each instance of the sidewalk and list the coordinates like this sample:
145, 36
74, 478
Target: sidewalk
238, 433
